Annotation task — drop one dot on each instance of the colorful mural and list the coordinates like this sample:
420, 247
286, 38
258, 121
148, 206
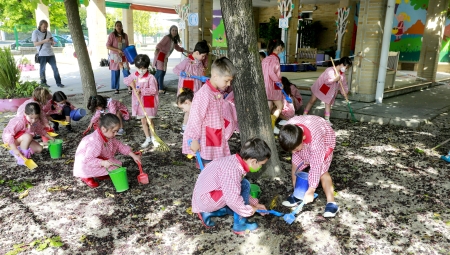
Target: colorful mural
408, 27
218, 33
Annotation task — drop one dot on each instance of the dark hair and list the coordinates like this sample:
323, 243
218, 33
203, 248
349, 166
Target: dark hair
202, 47
59, 96
344, 60
175, 39
224, 66
187, 94
273, 44
109, 120
286, 85
32, 108
255, 148
117, 33
96, 101
291, 136
40, 24
142, 61
262, 54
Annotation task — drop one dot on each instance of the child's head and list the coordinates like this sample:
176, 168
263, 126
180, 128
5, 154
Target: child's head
96, 103
142, 62
291, 138
222, 73
41, 95
275, 46
109, 125
184, 99
255, 152
345, 63
286, 85
201, 50
32, 112
262, 55
59, 97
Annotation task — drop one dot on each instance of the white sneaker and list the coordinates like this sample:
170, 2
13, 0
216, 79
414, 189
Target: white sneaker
329, 122
276, 130
146, 143
155, 143
282, 122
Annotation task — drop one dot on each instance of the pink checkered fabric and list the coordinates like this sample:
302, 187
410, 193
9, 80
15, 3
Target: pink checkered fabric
327, 78
272, 74
192, 67
20, 123
21, 110
148, 87
113, 106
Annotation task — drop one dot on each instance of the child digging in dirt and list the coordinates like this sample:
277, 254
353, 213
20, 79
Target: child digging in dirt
311, 141
59, 109
19, 132
41, 96
221, 189
184, 102
146, 88
98, 105
206, 127
96, 151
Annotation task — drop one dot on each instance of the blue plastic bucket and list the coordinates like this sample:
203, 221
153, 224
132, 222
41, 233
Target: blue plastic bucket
301, 185
77, 114
130, 53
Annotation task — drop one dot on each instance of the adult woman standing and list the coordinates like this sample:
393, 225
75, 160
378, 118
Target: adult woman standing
117, 41
163, 50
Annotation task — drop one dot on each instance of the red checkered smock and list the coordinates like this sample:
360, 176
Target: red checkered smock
57, 108
94, 148
21, 110
318, 146
288, 109
231, 114
207, 124
193, 67
272, 74
296, 97
148, 86
325, 88
112, 106
20, 124
165, 47
219, 185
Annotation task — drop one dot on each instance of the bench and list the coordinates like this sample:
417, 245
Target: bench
306, 55
392, 71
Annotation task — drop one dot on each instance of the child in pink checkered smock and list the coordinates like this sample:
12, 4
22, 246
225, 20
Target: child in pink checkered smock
327, 86
99, 105
41, 96
145, 90
184, 102
95, 153
207, 125
289, 109
311, 141
59, 109
272, 78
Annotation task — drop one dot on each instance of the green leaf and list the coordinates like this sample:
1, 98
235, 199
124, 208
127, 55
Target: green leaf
54, 243
2, 181
42, 246
35, 242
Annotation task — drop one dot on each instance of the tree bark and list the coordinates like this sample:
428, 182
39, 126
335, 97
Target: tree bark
84, 63
248, 85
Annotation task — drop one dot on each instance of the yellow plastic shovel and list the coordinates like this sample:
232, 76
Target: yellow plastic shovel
28, 162
62, 122
52, 134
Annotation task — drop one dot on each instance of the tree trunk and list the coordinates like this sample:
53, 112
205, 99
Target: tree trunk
84, 63
248, 85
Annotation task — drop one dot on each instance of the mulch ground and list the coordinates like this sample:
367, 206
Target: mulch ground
393, 198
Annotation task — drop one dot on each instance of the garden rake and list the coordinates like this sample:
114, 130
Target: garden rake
346, 98
163, 147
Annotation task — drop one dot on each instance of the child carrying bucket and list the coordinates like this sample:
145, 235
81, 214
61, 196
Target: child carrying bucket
98, 105
206, 126
58, 108
95, 153
184, 102
41, 96
19, 132
311, 141
144, 86
221, 189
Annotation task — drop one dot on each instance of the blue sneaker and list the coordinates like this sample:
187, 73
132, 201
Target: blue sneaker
446, 158
330, 210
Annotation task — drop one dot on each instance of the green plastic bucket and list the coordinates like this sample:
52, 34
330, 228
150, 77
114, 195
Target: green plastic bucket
255, 191
119, 179
55, 148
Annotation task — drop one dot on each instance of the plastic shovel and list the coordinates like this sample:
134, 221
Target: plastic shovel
290, 217
142, 177
28, 162
288, 99
278, 214
62, 122
197, 155
201, 78
52, 134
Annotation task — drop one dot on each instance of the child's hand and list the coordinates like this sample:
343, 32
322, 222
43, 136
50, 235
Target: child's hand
195, 146
259, 207
136, 158
106, 164
338, 78
17, 152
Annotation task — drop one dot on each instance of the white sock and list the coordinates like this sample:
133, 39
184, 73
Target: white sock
148, 138
183, 127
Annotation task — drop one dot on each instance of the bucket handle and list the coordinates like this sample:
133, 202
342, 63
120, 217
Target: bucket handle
113, 165
298, 167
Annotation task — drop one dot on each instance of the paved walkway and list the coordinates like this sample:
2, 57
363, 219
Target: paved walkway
412, 110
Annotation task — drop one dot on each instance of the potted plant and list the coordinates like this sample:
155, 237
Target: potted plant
25, 64
13, 92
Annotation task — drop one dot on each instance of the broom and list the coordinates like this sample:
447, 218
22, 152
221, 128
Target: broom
346, 98
163, 147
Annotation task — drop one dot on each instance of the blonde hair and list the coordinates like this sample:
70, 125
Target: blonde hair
223, 67
407, 17
41, 95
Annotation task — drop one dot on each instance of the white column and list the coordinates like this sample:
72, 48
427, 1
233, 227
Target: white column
127, 22
384, 51
42, 14
96, 16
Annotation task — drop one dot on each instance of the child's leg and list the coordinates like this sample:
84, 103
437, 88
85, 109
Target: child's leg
145, 127
35, 147
310, 104
66, 112
24, 141
327, 111
279, 105
327, 185
186, 118
119, 115
245, 191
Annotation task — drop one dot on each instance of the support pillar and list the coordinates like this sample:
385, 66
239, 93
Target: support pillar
368, 44
185, 36
42, 14
127, 23
291, 43
347, 38
96, 16
432, 35
204, 9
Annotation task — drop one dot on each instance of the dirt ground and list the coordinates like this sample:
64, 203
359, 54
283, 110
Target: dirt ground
392, 198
